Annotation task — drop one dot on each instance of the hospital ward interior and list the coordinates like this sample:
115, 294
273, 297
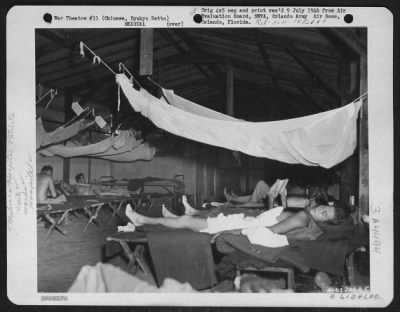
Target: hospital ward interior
202, 160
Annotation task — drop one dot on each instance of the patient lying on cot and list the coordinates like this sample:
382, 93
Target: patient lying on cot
45, 189
261, 192
275, 220
83, 188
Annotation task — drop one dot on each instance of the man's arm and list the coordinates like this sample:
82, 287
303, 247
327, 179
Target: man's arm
52, 188
299, 220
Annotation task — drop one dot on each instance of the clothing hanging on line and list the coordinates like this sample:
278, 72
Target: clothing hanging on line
61, 134
143, 152
324, 139
113, 145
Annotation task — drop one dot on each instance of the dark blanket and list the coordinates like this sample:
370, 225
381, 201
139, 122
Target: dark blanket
183, 255
229, 243
327, 253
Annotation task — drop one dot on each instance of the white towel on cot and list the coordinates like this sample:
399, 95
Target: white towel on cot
265, 237
240, 221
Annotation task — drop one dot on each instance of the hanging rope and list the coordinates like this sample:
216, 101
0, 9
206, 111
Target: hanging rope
361, 96
75, 117
119, 98
96, 58
123, 69
52, 93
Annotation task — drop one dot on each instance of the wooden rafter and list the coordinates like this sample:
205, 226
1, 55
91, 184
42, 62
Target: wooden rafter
267, 63
166, 34
350, 39
195, 47
314, 71
321, 105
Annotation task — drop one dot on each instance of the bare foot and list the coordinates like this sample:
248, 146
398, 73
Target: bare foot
166, 213
233, 194
135, 218
228, 196
189, 210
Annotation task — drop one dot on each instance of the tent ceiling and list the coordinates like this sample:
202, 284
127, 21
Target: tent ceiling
299, 67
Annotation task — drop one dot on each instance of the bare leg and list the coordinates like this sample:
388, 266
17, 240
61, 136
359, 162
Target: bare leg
166, 213
260, 191
58, 200
189, 210
237, 199
183, 222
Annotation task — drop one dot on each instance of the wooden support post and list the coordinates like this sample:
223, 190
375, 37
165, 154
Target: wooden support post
348, 181
363, 187
89, 174
229, 89
146, 52
68, 115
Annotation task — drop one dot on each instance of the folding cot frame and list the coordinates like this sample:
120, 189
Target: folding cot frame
136, 258
170, 185
55, 214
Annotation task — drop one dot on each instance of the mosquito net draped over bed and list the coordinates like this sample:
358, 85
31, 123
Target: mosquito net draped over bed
323, 139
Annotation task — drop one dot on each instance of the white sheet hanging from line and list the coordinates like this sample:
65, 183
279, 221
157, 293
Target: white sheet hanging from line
323, 139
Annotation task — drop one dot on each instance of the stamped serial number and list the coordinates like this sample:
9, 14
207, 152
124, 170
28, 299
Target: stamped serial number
348, 289
54, 298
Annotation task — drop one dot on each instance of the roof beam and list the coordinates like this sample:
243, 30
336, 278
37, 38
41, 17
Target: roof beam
321, 105
267, 63
94, 43
167, 35
195, 47
268, 37
56, 39
314, 71
350, 39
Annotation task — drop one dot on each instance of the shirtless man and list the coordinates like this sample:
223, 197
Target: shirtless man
83, 188
45, 187
285, 221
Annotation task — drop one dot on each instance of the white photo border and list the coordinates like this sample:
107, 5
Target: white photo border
21, 158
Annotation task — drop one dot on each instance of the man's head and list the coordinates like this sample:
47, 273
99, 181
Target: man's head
80, 178
48, 170
331, 214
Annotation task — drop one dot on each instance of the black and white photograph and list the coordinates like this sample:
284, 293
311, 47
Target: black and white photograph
205, 157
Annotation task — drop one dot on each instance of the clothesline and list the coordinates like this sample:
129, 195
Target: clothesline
324, 139
96, 58
124, 69
52, 92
